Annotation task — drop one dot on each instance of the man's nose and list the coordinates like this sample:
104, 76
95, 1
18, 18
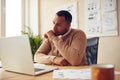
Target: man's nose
54, 27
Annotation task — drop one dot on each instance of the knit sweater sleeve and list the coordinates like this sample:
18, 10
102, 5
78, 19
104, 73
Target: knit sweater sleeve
41, 55
75, 52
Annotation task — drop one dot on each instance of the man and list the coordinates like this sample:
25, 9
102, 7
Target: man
63, 45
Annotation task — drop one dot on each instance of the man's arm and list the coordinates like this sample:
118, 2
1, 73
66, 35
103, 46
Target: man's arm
41, 55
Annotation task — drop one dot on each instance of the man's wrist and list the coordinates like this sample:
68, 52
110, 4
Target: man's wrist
52, 37
52, 58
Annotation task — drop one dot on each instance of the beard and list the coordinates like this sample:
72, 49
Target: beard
57, 33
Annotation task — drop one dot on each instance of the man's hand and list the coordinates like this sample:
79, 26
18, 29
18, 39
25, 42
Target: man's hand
60, 61
49, 34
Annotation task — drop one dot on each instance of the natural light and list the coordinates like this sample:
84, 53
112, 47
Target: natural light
13, 18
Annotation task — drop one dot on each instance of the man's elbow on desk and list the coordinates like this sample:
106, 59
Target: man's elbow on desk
77, 61
74, 63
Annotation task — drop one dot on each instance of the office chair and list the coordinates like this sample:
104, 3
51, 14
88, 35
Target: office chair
92, 50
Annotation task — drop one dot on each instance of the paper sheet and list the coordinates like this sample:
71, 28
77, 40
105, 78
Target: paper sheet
93, 17
109, 5
72, 74
84, 74
109, 21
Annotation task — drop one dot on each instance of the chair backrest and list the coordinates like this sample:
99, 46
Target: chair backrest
92, 50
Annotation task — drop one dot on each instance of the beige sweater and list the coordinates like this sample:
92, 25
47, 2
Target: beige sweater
72, 47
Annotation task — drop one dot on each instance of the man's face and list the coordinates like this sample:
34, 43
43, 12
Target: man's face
60, 25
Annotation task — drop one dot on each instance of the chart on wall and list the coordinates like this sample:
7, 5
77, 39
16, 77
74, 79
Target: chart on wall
101, 18
72, 8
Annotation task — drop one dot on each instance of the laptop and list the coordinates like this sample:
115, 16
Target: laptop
16, 56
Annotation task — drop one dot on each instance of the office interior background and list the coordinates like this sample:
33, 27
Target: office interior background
38, 15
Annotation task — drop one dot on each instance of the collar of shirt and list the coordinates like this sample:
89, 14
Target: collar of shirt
65, 33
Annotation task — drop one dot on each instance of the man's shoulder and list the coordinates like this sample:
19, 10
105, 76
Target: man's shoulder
78, 33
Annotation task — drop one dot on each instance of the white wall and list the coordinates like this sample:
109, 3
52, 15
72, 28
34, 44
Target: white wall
0, 17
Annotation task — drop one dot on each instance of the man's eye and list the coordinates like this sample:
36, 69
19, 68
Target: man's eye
59, 25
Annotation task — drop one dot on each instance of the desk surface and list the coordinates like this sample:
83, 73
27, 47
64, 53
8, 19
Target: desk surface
5, 75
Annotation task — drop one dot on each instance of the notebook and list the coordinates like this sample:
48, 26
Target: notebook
16, 56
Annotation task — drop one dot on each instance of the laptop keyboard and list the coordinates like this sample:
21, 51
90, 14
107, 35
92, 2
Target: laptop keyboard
37, 69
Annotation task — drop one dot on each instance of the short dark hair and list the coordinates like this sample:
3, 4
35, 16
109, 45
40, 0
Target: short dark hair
65, 14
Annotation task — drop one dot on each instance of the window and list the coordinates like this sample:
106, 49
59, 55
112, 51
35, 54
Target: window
13, 19
16, 14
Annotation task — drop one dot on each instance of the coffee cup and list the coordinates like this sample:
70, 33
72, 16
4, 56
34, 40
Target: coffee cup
102, 72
